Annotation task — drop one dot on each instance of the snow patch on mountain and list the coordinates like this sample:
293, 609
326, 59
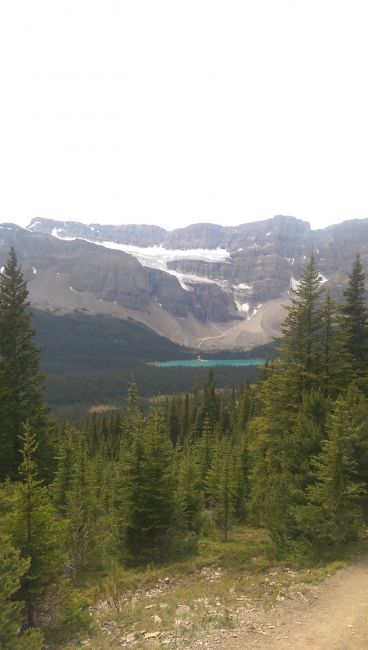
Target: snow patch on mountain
157, 257
257, 308
243, 285
242, 306
294, 283
56, 233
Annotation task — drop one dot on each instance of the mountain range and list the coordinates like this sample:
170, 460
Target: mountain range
206, 286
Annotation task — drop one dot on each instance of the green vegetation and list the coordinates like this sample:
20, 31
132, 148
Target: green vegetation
21, 379
194, 502
90, 360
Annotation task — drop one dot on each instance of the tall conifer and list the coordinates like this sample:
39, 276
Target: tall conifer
34, 529
355, 322
12, 569
20, 376
300, 344
291, 424
333, 512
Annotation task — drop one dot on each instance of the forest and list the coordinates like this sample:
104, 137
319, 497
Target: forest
90, 360
140, 488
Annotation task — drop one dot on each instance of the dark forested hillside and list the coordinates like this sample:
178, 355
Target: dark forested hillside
78, 340
90, 361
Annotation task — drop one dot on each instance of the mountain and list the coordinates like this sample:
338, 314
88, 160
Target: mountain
205, 286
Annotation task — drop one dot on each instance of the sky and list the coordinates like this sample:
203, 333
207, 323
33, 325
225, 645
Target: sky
179, 111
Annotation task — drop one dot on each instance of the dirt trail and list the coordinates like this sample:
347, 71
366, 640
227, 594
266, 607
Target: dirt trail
331, 616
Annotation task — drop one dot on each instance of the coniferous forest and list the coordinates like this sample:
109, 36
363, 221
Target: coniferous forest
137, 488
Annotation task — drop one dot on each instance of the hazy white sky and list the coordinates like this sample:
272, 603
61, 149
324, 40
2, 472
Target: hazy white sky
170, 112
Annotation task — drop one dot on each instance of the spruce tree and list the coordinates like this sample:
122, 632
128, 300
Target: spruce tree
333, 512
62, 482
335, 364
205, 448
12, 569
208, 408
290, 427
34, 528
147, 510
300, 345
190, 489
20, 376
355, 322
222, 484
79, 506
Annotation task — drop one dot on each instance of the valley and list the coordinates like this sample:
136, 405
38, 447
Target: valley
108, 299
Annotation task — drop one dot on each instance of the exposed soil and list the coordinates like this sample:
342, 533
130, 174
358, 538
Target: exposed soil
330, 616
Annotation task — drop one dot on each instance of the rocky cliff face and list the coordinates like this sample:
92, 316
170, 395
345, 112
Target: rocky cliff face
205, 285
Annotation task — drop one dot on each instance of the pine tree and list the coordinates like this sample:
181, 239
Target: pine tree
62, 482
20, 376
34, 529
208, 408
205, 448
147, 512
355, 321
244, 411
333, 512
79, 506
189, 490
241, 474
222, 484
12, 569
300, 344
271, 480
335, 366
291, 424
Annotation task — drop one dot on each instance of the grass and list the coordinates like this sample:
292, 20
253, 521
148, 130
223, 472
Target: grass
183, 600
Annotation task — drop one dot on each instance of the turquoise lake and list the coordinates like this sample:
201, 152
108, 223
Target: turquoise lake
209, 363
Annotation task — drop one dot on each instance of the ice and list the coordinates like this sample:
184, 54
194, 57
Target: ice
242, 306
56, 233
242, 285
157, 257
257, 308
294, 283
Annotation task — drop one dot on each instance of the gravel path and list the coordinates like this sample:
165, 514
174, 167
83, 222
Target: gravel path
331, 616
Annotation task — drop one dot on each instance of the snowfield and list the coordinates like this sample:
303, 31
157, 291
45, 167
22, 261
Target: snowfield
157, 257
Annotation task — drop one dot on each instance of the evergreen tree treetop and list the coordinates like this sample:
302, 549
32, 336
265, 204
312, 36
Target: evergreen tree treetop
300, 345
21, 380
355, 318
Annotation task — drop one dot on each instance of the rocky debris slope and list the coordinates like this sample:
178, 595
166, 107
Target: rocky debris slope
216, 607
